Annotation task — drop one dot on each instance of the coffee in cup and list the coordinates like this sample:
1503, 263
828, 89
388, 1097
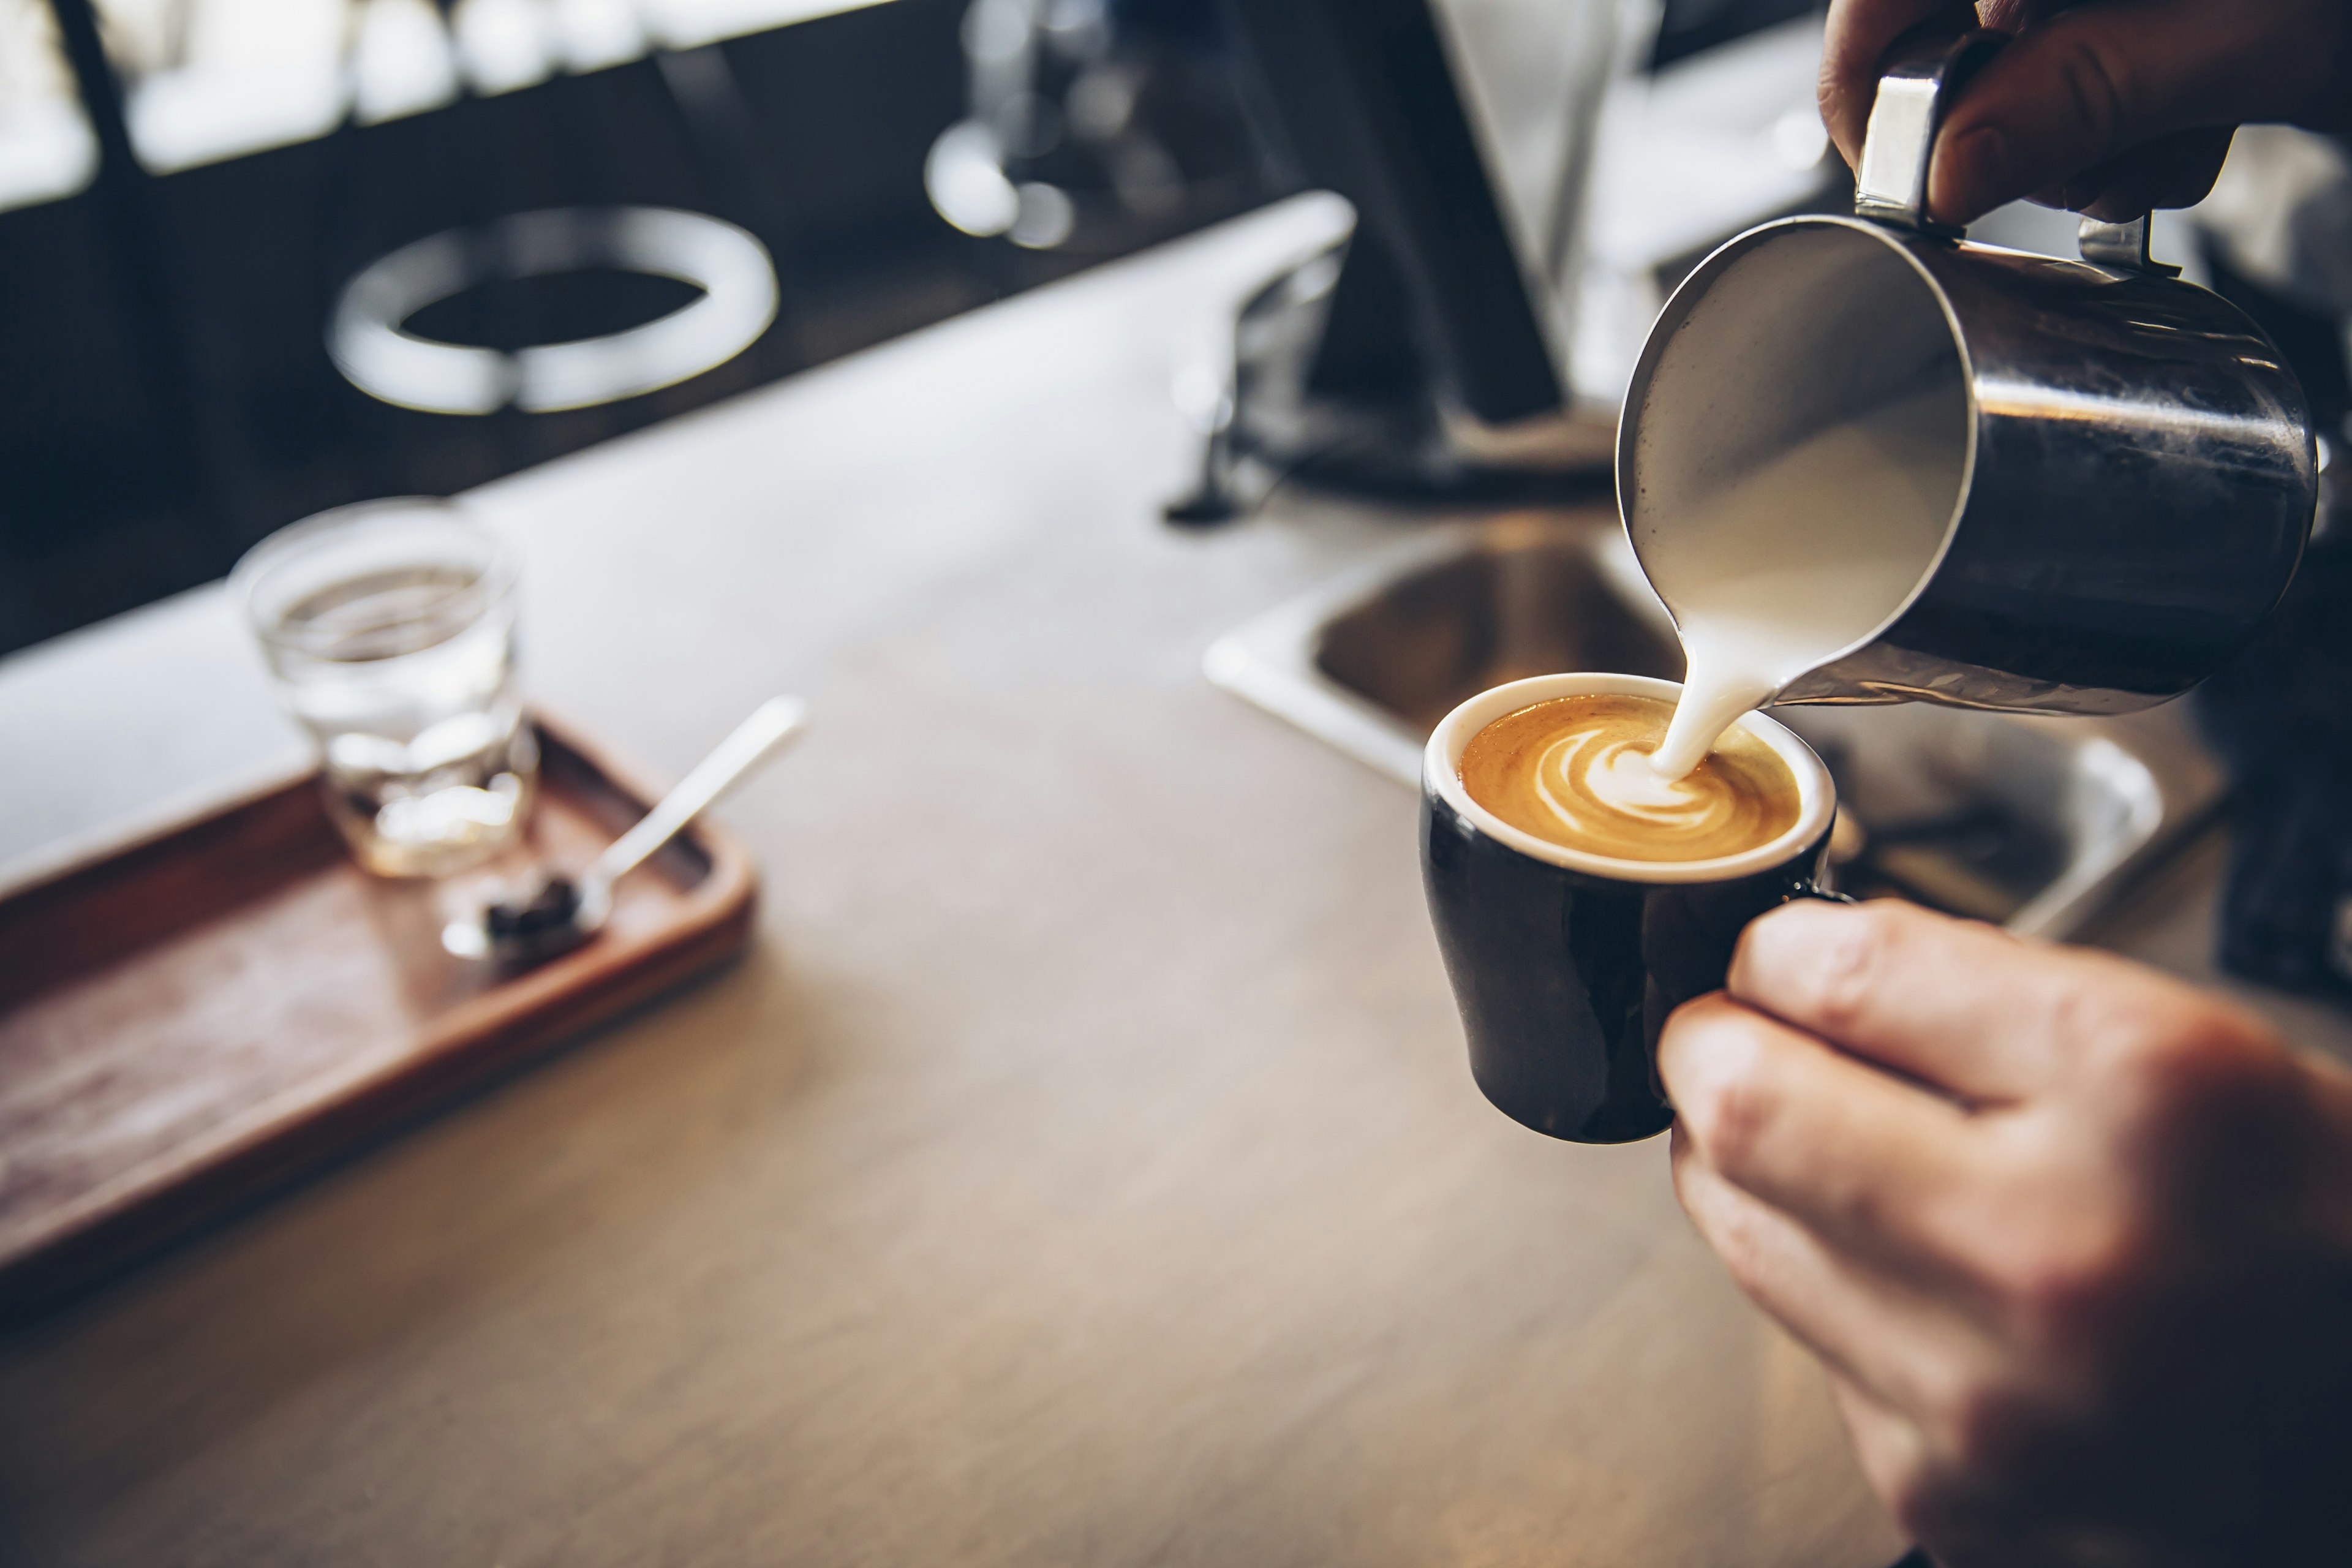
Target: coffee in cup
1576, 772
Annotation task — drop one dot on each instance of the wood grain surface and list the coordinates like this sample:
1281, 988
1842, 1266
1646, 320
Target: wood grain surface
1083, 1166
198, 1016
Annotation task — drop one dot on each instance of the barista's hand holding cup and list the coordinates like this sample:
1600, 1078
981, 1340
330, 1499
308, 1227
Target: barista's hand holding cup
1580, 896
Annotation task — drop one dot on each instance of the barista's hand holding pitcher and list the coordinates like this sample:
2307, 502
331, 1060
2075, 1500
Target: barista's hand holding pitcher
2111, 108
2073, 1239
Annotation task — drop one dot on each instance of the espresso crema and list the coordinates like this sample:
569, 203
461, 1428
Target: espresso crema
1576, 772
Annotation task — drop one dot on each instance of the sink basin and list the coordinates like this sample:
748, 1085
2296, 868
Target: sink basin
2030, 822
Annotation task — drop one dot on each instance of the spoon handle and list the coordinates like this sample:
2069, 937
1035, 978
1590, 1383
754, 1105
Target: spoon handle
775, 722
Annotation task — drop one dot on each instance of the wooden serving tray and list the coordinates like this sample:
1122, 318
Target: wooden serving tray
202, 1015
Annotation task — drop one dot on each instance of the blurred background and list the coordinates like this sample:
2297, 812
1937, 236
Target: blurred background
196, 196
186, 187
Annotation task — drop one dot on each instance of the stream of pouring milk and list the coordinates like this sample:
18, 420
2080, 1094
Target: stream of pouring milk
1788, 566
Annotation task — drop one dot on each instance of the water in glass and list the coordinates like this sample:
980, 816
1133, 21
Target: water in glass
392, 632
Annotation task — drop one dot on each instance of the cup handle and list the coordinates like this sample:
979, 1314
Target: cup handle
1815, 890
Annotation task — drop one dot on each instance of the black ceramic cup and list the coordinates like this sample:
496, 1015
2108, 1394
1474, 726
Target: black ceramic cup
1565, 964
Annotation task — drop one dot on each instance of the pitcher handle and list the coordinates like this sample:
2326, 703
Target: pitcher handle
1919, 85
1925, 73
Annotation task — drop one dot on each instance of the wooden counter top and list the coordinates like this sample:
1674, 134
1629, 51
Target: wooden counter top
1085, 1168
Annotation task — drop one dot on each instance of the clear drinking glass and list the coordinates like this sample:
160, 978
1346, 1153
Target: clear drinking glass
391, 628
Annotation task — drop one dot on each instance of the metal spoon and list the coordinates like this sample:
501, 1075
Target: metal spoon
558, 915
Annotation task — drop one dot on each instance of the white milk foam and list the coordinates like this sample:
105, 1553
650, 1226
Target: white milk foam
1619, 777
1789, 566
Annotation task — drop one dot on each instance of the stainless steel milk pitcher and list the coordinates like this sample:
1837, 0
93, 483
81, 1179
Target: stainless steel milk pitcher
2128, 458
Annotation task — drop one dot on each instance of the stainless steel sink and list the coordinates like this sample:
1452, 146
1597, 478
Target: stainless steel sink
2031, 821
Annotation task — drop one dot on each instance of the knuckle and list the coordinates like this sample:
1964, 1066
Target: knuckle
1982, 1425
2097, 84
1731, 1108
2059, 1248
1918, 1494
2190, 1062
2063, 1290
2156, 1050
2175, 1070
1850, 965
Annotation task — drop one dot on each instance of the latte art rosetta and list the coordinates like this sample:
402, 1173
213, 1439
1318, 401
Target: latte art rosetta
1576, 772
